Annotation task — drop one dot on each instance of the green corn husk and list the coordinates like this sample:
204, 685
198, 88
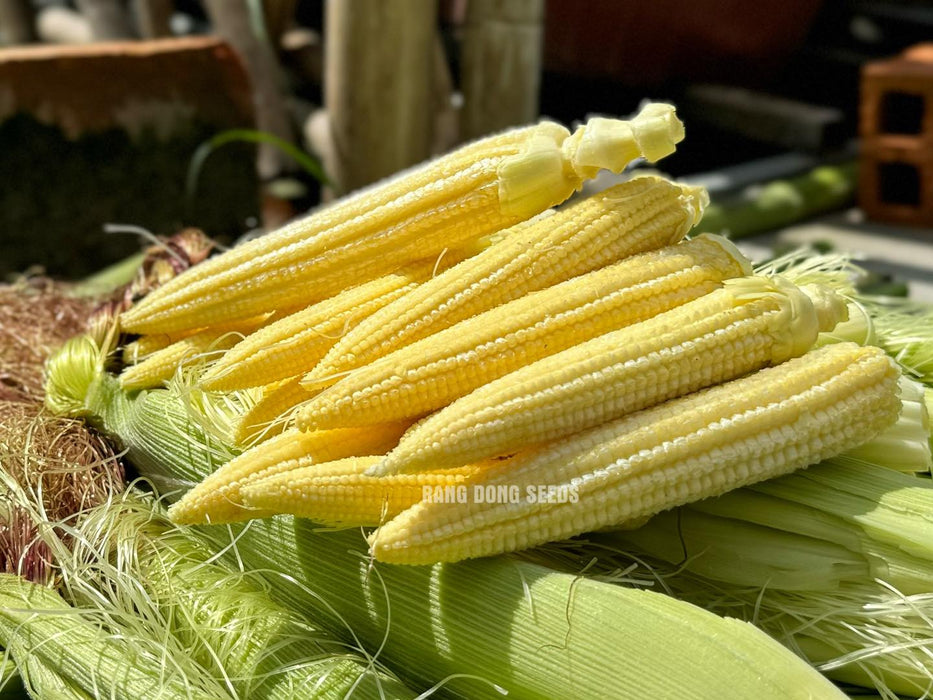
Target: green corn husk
224, 621
905, 330
866, 634
782, 202
134, 577
475, 629
901, 326
62, 653
11, 685
832, 524
836, 561
905, 446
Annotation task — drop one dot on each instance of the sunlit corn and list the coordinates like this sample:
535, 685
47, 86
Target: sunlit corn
432, 372
218, 499
475, 190
273, 411
645, 213
769, 423
294, 344
340, 493
136, 351
750, 323
203, 346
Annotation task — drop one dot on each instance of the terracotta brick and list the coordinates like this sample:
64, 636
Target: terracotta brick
896, 130
896, 185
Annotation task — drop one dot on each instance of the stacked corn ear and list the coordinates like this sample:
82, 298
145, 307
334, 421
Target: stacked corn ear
271, 412
535, 362
294, 344
342, 493
218, 498
640, 215
158, 366
433, 371
749, 323
536, 325
497, 625
472, 192
704, 444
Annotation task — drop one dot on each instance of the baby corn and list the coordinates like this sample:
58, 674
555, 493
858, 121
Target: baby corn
272, 413
138, 350
160, 365
480, 188
750, 323
643, 214
433, 371
217, 499
340, 493
294, 344
772, 422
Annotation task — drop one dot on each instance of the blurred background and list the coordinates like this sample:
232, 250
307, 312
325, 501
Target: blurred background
808, 120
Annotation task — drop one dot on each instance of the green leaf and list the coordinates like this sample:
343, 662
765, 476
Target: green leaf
308, 162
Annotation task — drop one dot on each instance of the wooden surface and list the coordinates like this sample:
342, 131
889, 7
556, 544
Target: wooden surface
129, 84
379, 68
501, 73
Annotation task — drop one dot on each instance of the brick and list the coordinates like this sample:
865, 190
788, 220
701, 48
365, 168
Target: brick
896, 130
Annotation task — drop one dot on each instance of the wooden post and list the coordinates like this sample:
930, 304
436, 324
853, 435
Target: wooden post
153, 17
231, 20
501, 73
278, 16
108, 18
378, 71
16, 22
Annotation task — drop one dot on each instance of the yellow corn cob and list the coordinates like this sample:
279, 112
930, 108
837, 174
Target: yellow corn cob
138, 350
160, 365
433, 371
339, 493
294, 344
750, 323
272, 413
702, 445
643, 214
218, 499
478, 189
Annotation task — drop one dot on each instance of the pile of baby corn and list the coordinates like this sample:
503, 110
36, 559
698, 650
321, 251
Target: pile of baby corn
452, 358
